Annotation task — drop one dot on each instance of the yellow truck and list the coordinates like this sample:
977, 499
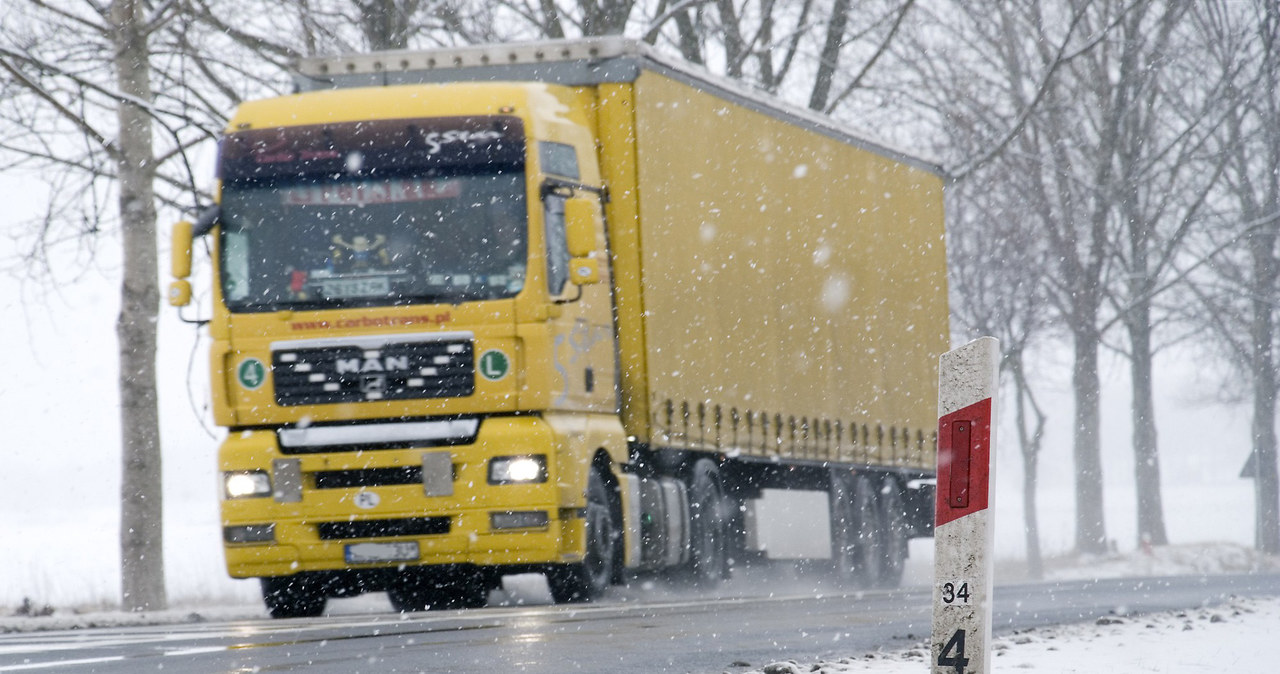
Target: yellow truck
567, 307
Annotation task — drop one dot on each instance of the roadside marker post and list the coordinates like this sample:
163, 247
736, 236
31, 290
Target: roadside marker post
964, 525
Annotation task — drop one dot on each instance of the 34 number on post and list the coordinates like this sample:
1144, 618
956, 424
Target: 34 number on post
955, 593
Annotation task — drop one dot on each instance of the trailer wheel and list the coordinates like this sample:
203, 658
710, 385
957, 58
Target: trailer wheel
425, 591
843, 537
590, 578
708, 535
867, 554
892, 520
297, 596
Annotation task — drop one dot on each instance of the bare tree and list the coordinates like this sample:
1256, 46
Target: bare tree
54, 59
995, 261
1238, 284
1011, 83
559, 19
768, 43
1260, 207
311, 27
1165, 172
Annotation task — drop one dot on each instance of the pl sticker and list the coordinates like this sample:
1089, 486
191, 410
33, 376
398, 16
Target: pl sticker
251, 373
494, 365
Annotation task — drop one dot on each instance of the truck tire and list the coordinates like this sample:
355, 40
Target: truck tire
297, 596
585, 581
708, 526
437, 592
843, 535
892, 520
867, 555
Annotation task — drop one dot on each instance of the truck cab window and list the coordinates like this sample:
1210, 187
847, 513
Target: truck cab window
557, 246
558, 159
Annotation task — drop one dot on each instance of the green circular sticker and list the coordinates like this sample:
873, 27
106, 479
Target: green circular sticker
494, 365
251, 373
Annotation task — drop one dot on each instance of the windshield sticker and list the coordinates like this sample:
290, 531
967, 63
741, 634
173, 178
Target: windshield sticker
370, 193
357, 253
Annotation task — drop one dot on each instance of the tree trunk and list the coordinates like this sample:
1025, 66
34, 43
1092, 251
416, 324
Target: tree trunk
385, 23
829, 58
734, 45
1266, 268
141, 512
1091, 532
1029, 441
1266, 483
1031, 515
1146, 455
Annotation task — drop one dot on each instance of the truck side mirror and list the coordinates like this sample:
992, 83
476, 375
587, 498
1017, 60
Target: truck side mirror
180, 264
181, 253
580, 219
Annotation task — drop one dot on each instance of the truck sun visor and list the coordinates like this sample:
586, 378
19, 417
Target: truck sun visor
376, 147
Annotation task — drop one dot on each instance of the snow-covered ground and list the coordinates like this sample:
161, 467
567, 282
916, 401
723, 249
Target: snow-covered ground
1226, 638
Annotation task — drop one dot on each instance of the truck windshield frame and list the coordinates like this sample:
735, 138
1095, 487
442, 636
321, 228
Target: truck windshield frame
373, 214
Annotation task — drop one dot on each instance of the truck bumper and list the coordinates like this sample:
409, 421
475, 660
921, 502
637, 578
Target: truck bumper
348, 508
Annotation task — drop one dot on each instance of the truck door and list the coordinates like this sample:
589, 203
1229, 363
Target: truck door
584, 349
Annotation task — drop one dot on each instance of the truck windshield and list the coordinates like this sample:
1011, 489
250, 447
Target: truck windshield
319, 242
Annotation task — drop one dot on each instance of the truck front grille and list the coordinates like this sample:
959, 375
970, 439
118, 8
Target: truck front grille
415, 526
367, 477
395, 371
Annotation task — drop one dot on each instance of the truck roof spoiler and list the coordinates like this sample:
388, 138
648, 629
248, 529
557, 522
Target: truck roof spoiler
415, 62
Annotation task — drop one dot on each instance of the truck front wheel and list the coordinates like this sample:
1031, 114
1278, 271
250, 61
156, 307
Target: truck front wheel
296, 596
589, 579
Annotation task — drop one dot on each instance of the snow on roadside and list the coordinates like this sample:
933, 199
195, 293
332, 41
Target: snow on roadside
1225, 638
36, 618
1170, 560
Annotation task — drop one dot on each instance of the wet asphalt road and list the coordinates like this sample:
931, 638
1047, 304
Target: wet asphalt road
632, 631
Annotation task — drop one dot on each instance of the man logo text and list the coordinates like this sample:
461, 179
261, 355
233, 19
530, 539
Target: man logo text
360, 366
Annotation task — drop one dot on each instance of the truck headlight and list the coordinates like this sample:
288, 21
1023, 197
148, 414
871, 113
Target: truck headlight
518, 469
246, 484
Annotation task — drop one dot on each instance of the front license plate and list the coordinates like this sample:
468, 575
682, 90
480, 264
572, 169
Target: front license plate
366, 553
358, 287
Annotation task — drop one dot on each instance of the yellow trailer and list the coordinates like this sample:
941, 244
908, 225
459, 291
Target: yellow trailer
566, 307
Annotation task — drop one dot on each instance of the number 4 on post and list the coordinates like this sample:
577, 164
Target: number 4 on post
952, 654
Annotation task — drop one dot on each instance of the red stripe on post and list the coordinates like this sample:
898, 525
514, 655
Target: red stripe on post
964, 460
